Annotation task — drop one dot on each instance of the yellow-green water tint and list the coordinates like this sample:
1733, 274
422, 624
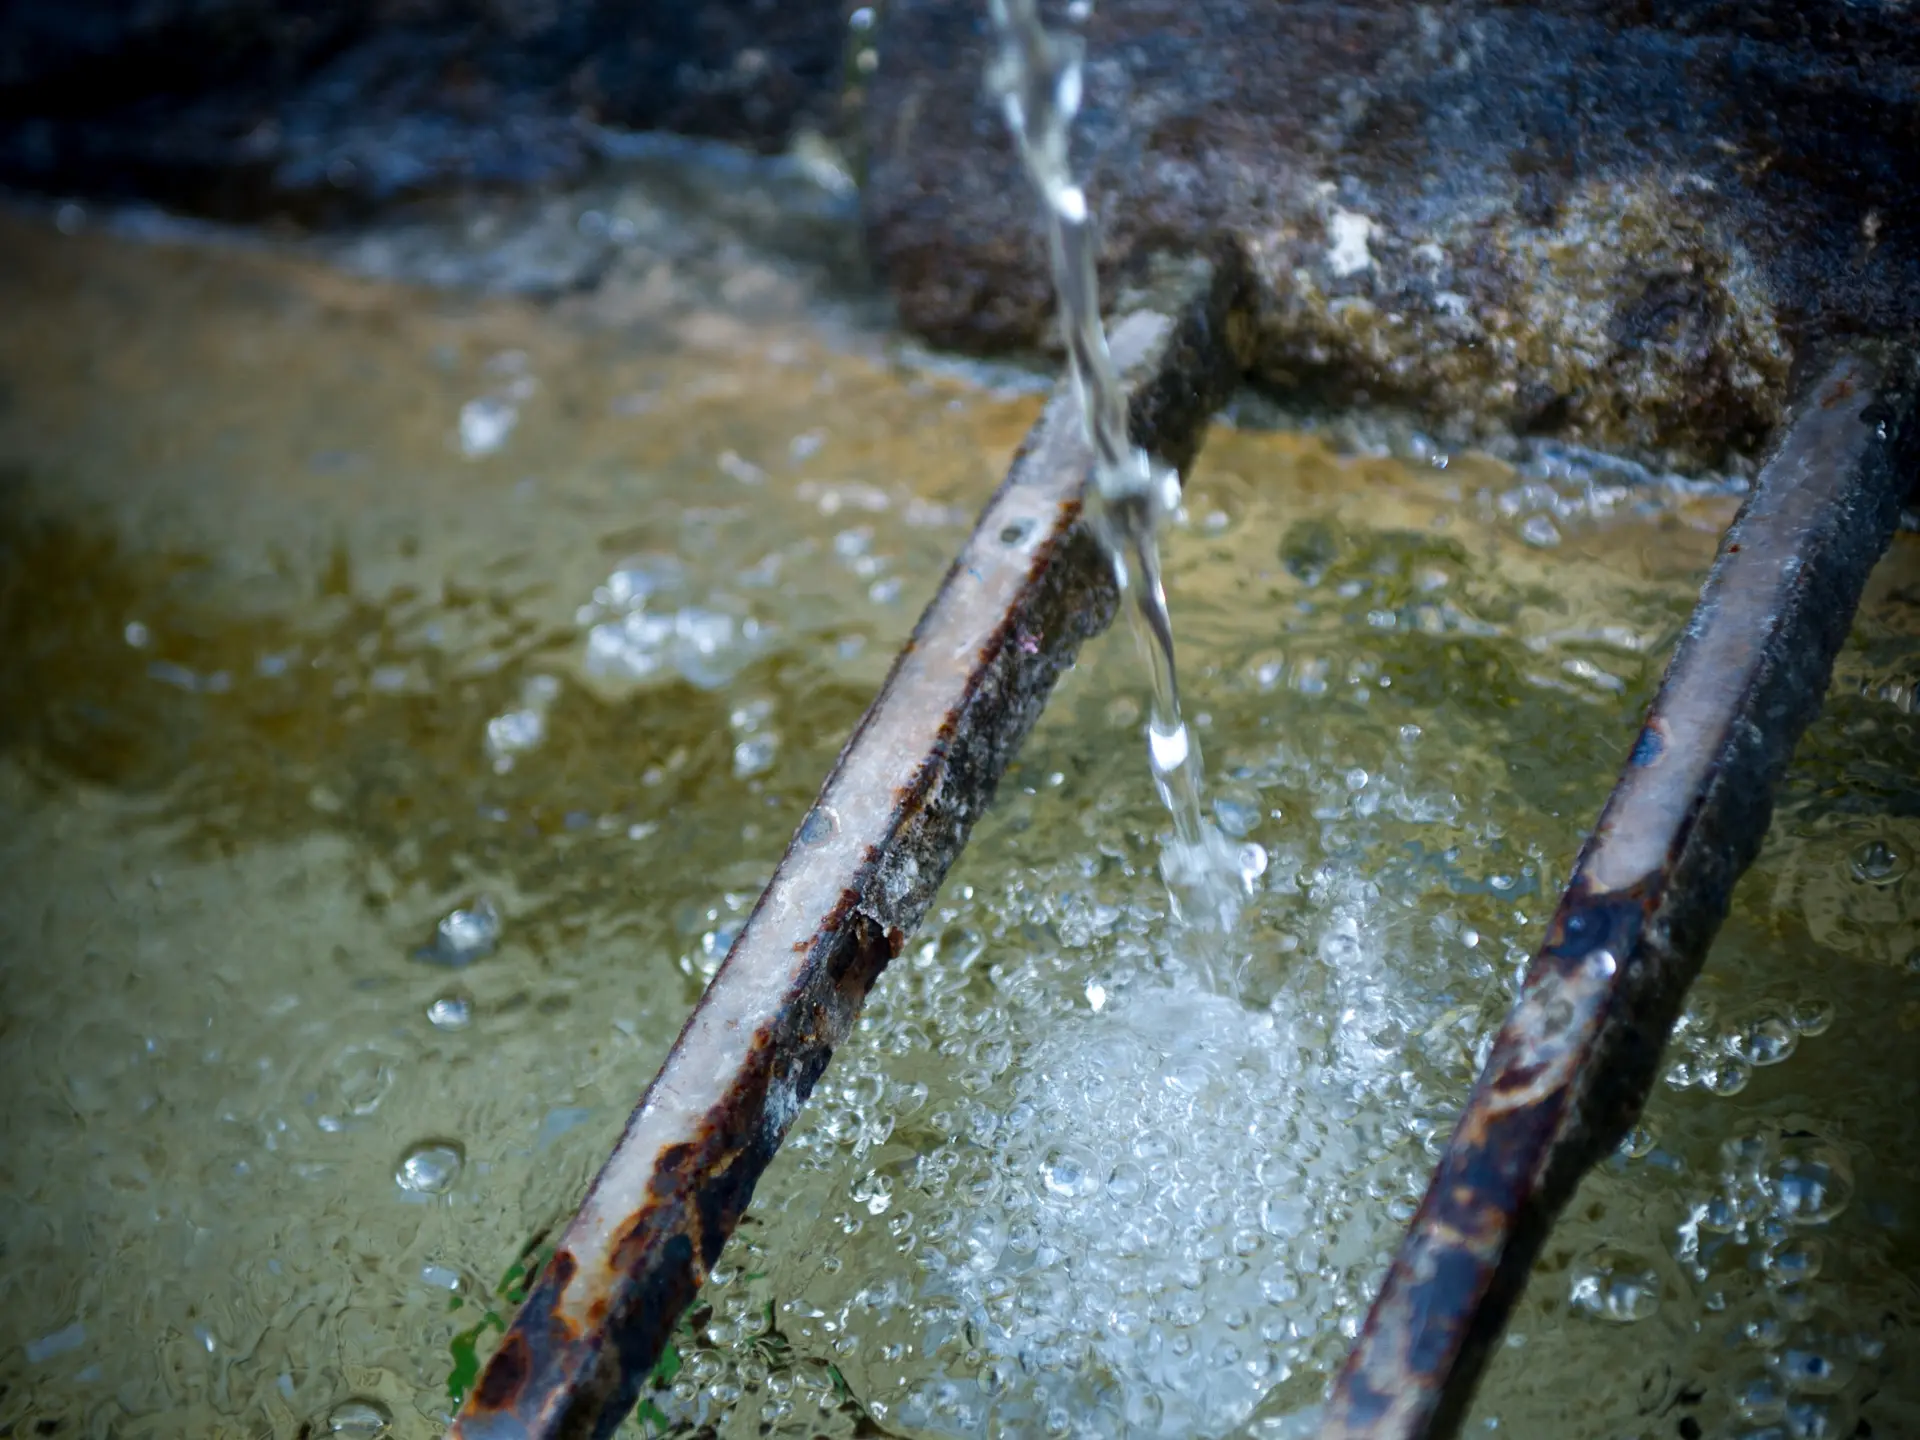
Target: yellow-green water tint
294, 666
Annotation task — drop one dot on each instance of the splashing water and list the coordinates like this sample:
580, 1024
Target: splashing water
1037, 76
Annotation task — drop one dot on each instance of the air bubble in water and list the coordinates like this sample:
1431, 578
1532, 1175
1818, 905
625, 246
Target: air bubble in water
430, 1168
1760, 1397
1540, 531
1794, 1262
1812, 1016
1615, 1285
360, 1420
1810, 1181
1726, 1076
1877, 863
1639, 1143
514, 733
1068, 1172
464, 936
451, 1011
1761, 1039
1817, 1359
485, 423
1819, 1417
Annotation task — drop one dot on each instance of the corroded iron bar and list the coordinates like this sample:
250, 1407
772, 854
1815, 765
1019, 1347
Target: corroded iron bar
864, 864
1575, 1059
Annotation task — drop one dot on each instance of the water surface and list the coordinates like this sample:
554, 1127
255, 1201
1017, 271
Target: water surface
406, 696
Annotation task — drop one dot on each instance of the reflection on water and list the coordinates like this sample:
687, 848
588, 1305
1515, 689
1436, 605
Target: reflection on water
404, 700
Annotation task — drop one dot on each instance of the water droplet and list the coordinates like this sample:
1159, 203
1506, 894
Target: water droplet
451, 1011
1253, 863
819, 826
1615, 1285
430, 1168
1877, 863
360, 1419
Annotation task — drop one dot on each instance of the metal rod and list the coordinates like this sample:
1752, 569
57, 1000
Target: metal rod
864, 864
1574, 1061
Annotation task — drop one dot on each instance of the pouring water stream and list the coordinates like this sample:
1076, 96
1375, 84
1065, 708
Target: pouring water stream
1037, 76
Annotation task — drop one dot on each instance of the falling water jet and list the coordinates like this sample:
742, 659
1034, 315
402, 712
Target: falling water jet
1037, 76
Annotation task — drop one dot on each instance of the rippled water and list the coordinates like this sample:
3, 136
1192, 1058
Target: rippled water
404, 699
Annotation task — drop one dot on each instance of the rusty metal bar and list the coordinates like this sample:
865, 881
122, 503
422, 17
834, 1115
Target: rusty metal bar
1574, 1061
862, 868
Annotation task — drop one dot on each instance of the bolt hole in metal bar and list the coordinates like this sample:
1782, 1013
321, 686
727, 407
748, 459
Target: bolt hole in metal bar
1025, 591
1574, 1061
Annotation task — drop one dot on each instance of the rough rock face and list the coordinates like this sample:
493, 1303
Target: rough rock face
323, 108
1620, 223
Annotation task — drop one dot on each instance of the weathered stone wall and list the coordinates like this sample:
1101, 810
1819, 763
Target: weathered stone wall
1621, 223
324, 108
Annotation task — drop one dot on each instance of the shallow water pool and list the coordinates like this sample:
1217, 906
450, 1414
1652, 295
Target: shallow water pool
405, 697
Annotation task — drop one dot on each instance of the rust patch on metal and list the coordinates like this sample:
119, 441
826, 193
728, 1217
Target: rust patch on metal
861, 870
1572, 1064
505, 1374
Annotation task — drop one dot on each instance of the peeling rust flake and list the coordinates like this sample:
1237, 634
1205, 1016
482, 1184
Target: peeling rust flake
1572, 1065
